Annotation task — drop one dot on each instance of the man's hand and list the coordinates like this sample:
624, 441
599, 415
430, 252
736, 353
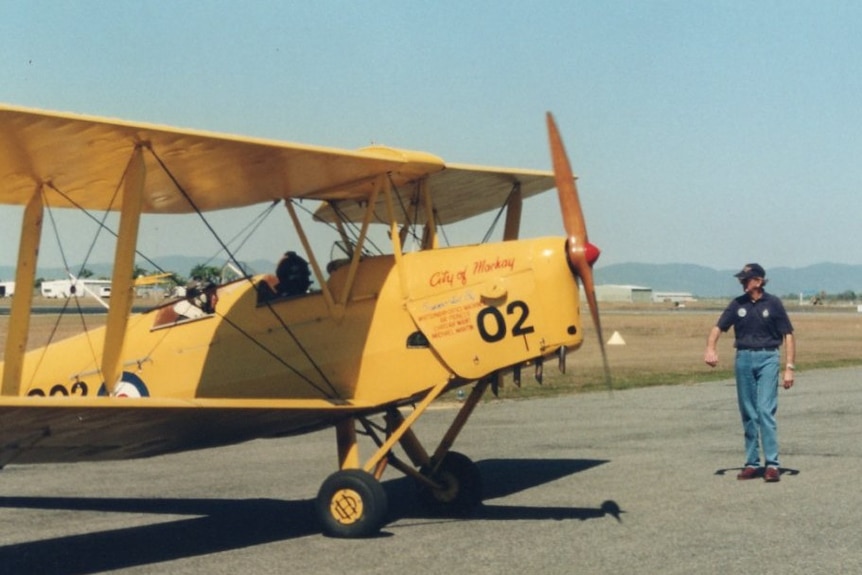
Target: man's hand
788, 378
711, 357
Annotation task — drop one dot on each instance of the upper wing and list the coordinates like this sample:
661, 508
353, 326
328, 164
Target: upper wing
66, 429
458, 191
80, 160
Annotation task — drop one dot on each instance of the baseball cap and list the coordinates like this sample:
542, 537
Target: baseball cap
751, 271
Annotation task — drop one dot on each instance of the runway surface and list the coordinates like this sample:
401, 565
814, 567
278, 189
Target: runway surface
640, 481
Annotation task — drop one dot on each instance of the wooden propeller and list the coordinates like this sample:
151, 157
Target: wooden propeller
581, 253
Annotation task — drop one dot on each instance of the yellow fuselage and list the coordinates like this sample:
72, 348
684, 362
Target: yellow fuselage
407, 324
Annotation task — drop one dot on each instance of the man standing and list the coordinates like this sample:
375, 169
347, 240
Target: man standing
760, 326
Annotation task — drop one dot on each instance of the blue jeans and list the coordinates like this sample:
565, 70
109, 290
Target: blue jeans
757, 392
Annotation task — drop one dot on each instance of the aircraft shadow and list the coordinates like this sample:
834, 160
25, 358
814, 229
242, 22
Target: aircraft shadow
216, 525
503, 477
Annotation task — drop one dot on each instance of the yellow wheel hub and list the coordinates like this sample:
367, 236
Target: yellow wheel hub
346, 506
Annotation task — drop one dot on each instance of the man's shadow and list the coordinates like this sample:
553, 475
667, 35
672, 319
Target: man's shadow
782, 471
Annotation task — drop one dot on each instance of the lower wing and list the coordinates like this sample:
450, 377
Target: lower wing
67, 429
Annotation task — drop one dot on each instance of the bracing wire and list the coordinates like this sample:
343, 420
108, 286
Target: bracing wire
441, 229
233, 259
249, 230
499, 213
101, 224
352, 228
56, 233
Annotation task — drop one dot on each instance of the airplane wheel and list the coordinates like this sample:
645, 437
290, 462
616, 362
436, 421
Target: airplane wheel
461, 490
351, 504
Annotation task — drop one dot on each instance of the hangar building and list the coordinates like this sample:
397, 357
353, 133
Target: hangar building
623, 293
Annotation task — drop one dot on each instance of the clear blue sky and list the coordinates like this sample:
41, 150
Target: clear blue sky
713, 133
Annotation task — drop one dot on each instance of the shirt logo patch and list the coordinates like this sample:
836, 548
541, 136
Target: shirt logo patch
765, 313
741, 312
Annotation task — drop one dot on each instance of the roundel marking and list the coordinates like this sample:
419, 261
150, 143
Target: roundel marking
130, 385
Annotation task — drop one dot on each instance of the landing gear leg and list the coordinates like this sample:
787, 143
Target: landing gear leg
455, 488
351, 502
458, 486
449, 482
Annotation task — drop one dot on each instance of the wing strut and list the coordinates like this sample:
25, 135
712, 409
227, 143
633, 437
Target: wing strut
360, 242
122, 284
429, 240
336, 313
19, 322
513, 214
395, 237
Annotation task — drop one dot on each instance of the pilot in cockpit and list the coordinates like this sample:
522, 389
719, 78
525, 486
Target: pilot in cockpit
201, 299
292, 277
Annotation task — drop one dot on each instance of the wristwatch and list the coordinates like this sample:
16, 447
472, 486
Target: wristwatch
791, 367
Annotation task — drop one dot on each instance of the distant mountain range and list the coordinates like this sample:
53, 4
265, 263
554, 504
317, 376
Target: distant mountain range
707, 282
698, 280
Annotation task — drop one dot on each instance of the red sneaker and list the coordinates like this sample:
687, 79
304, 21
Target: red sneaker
772, 475
748, 473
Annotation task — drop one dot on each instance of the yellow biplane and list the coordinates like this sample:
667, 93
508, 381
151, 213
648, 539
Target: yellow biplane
264, 355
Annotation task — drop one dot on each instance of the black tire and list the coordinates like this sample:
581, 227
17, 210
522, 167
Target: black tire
461, 491
351, 504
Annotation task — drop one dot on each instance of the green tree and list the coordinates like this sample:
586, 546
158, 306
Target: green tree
205, 272
175, 279
847, 295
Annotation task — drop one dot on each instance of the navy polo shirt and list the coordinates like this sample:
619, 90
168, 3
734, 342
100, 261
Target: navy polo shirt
756, 324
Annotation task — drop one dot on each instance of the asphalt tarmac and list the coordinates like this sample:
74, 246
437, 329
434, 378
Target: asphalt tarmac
640, 481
